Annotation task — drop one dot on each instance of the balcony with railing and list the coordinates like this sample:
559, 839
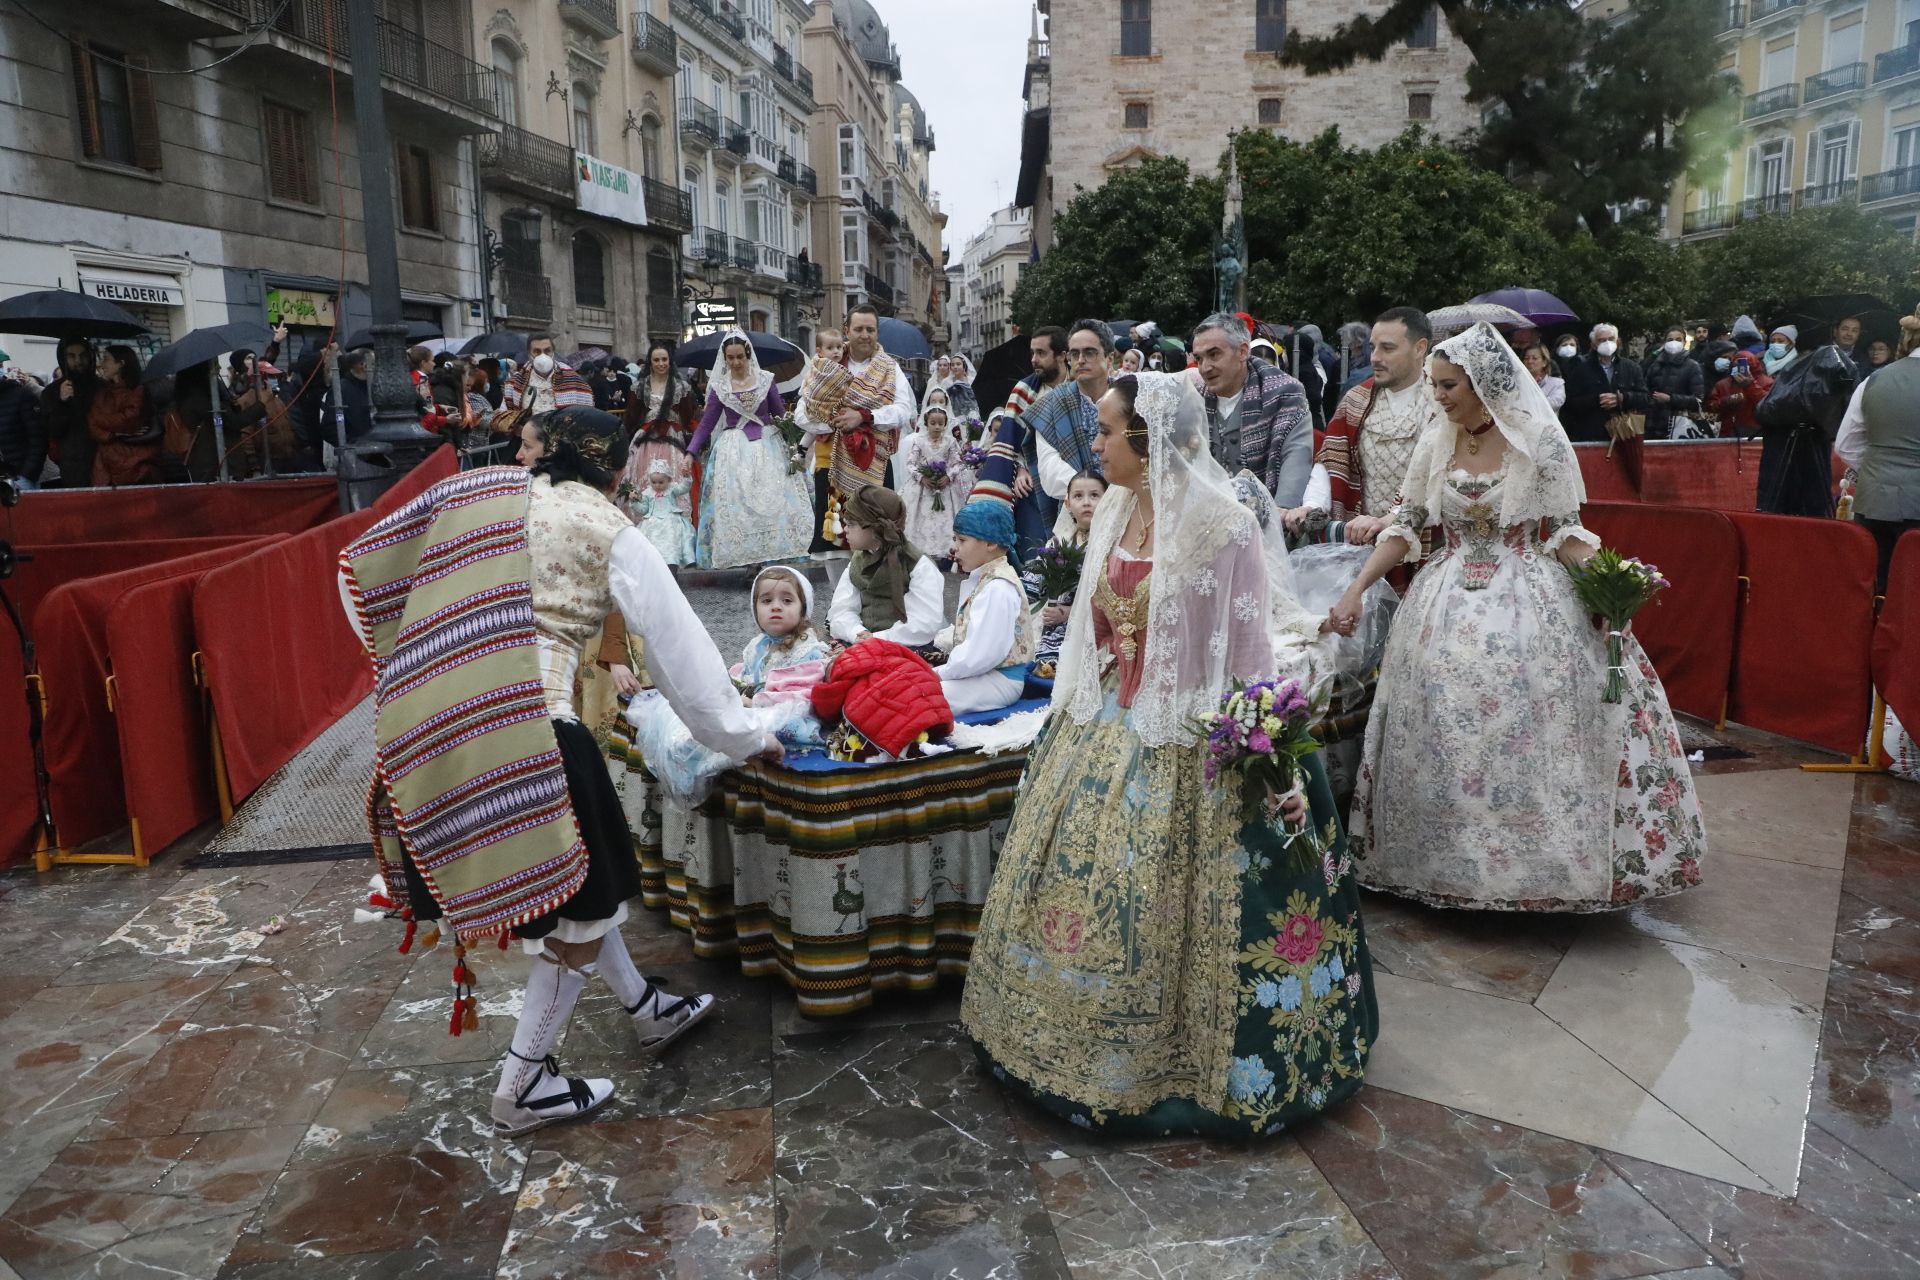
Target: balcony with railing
1820, 194
879, 290
1832, 84
715, 245
738, 138
1733, 17
525, 161
807, 180
1894, 184
1772, 101
805, 276
773, 262
308, 28
797, 77
1895, 63
526, 295
744, 256
1760, 11
668, 207
716, 17
655, 47
1700, 222
595, 17
1761, 205
700, 124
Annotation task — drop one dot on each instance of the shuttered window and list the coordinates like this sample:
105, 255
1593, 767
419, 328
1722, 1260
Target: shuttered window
417, 205
113, 97
291, 166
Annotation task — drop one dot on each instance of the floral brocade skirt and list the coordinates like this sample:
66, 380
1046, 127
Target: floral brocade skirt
1146, 964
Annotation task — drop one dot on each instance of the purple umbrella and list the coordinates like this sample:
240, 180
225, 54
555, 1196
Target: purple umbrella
1536, 305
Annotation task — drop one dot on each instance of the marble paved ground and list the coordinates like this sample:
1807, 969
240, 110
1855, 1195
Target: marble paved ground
1724, 1086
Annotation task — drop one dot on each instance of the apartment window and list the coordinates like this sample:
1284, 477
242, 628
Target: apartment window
1843, 40
1136, 115
1426, 35
1269, 25
1830, 155
1906, 147
1769, 175
415, 165
750, 213
583, 134
520, 241
292, 167
690, 183
1270, 110
589, 270
1420, 106
1776, 67
723, 208
506, 82
114, 95
1136, 28
650, 147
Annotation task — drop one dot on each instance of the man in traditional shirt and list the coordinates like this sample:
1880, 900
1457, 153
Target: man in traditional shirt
862, 401
1063, 423
1370, 442
1258, 418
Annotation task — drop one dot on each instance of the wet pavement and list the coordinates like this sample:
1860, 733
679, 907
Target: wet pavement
1722, 1086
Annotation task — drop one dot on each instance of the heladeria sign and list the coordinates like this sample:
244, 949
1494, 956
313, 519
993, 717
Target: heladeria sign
608, 190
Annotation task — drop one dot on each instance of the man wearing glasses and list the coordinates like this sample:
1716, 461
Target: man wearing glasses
1065, 420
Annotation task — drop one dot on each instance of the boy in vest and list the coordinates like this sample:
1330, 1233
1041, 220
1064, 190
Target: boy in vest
891, 588
991, 643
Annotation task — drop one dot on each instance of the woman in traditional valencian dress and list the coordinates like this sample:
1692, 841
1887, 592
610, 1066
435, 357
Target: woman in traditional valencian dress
754, 508
1147, 963
657, 418
1494, 774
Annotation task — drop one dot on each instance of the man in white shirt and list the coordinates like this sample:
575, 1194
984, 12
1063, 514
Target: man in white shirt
864, 411
1065, 420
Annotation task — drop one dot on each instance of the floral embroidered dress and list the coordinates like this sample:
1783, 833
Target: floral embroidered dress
1494, 775
753, 508
1145, 962
931, 530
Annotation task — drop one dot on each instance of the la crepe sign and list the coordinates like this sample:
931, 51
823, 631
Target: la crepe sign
608, 190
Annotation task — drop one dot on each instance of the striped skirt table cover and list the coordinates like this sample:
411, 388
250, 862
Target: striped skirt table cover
845, 880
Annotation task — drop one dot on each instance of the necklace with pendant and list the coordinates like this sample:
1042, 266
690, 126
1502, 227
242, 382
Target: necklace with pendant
1474, 434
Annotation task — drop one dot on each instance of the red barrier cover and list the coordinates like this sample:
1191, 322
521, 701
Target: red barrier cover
18, 812
174, 511
1802, 662
1606, 478
82, 738
42, 568
1896, 640
1688, 630
165, 757
1723, 475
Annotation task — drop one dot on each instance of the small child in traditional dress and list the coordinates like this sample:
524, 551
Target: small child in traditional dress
936, 483
662, 511
787, 643
990, 646
892, 589
828, 344
1084, 492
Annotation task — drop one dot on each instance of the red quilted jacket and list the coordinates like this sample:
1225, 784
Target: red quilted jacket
887, 692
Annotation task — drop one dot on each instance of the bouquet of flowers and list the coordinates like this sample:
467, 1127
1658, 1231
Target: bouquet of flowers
1057, 566
1616, 588
796, 439
933, 477
1261, 732
973, 456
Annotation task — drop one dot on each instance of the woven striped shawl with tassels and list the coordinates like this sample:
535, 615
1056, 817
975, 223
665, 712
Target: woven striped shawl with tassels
467, 771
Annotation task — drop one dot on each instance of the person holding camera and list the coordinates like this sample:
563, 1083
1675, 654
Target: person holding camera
1743, 384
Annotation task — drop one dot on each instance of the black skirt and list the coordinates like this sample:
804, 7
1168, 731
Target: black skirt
613, 872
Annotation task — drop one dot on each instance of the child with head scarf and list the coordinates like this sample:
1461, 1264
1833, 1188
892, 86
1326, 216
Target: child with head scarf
932, 480
892, 589
660, 509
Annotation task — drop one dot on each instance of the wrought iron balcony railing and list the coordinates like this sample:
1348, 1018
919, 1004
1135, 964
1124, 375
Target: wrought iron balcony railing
1894, 184
1770, 101
1831, 84
667, 207
654, 44
516, 155
597, 17
527, 295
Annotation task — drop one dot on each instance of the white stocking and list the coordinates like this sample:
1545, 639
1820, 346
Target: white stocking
616, 966
552, 989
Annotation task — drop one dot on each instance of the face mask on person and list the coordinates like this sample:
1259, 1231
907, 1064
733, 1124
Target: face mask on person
1674, 347
1722, 365
1608, 347
1778, 350
1567, 352
543, 364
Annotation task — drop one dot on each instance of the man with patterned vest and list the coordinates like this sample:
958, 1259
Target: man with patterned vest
863, 401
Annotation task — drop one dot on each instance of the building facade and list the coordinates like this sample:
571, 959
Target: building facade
1131, 80
199, 199
746, 102
1830, 113
582, 217
992, 263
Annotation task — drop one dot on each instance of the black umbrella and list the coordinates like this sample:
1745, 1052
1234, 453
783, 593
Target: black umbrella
767, 349
207, 344
62, 313
503, 344
417, 331
998, 370
1820, 313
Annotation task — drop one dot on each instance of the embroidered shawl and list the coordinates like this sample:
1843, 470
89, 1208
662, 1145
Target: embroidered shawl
468, 780
859, 456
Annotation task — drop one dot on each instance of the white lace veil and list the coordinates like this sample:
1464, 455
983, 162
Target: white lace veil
1211, 587
1543, 475
720, 381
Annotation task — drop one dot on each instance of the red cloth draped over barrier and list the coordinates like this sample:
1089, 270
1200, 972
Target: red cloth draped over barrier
174, 511
1688, 630
1721, 475
1606, 478
1896, 640
278, 655
19, 810
44, 568
82, 738
1802, 667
